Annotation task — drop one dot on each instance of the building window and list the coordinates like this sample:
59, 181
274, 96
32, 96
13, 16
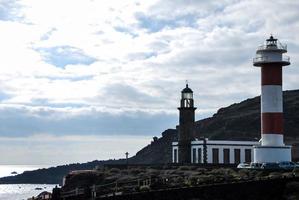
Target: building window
175, 155
226, 156
199, 155
237, 156
215, 155
247, 155
194, 155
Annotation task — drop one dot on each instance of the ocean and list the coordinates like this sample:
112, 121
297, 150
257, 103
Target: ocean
21, 191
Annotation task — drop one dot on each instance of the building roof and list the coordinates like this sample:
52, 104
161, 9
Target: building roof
187, 89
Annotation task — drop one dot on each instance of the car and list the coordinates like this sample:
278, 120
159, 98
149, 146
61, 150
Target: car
270, 166
243, 166
287, 165
255, 165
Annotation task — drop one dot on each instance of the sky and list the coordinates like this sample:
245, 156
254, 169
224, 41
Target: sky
93, 79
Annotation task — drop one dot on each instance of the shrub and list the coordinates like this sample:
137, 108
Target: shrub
152, 172
274, 175
258, 174
193, 180
223, 171
183, 168
206, 179
201, 170
192, 168
135, 171
288, 174
114, 170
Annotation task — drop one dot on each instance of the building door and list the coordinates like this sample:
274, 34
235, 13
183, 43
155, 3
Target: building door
194, 155
226, 156
215, 155
247, 155
175, 155
199, 155
237, 156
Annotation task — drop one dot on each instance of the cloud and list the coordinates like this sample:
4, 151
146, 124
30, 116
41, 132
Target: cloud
153, 24
48, 34
27, 120
117, 67
4, 96
128, 94
9, 10
44, 148
61, 56
124, 29
168, 9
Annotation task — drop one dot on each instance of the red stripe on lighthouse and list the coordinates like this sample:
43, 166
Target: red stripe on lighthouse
271, 75
272, 123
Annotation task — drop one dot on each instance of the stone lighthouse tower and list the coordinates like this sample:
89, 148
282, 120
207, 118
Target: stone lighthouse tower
186, 125
270, 59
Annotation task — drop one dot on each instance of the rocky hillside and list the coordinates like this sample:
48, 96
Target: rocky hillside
159, 151
241, 121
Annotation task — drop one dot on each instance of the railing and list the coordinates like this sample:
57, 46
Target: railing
267, 59
118, 187
71, 193
109, 189
278, 46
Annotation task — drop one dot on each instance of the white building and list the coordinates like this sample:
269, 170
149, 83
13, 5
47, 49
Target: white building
218, 151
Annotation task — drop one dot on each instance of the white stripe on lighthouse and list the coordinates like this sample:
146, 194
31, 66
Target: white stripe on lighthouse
271, 99
272, 140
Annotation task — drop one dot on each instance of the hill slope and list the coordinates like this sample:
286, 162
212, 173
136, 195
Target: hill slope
241, 121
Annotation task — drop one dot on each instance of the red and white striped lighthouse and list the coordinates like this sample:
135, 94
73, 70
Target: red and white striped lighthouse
271, 60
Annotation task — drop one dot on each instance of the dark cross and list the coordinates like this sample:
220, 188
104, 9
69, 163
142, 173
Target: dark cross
127, 156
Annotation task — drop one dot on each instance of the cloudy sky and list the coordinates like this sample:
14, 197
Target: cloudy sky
92, 79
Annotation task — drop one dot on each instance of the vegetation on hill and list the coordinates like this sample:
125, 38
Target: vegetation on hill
241, 121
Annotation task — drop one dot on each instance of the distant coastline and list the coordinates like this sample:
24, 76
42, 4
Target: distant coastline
6, 170
50, 175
